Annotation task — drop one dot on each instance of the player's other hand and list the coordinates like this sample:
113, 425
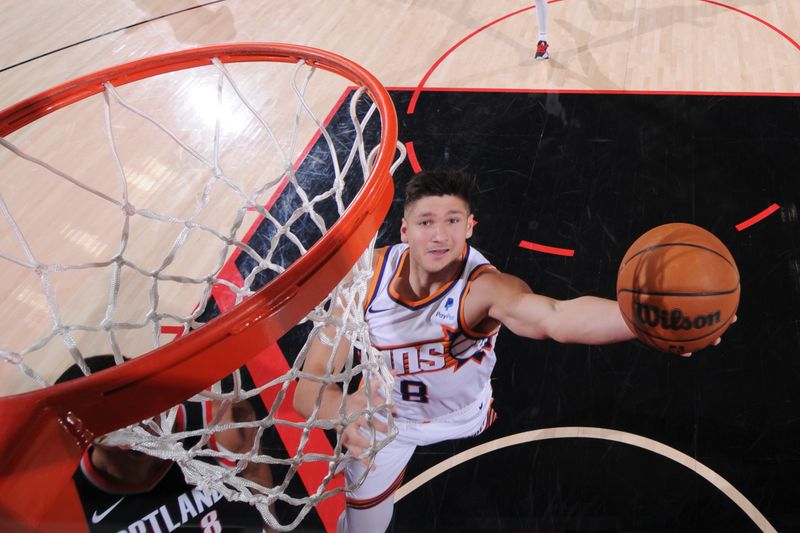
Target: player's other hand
357, 435
716, 341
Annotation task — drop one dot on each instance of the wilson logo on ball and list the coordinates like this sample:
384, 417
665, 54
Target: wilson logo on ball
675, 319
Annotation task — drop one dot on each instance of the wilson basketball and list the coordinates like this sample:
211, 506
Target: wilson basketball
678, 288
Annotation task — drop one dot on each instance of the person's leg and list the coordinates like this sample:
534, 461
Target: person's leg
374, 519
369, 507
541, 15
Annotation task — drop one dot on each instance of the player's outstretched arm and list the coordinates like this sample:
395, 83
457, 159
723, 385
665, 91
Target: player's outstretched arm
583, 320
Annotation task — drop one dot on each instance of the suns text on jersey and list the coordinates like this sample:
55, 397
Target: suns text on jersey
428, 357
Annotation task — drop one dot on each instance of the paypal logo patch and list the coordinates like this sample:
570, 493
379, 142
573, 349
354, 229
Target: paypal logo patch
446, 312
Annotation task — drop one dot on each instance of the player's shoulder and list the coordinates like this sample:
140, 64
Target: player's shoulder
490, 276
391, 254
490, 283
377, 257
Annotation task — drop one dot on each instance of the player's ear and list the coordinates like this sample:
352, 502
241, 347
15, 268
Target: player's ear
470, 225
403, 230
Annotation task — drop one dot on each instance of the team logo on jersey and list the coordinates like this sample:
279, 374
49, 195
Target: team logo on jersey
426, 357
98, 517
475, 351
454, 351
446, 313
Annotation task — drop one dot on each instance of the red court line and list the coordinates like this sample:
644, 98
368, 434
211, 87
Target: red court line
545, 90
418, 89
546, 249
757, 218
412, 157
172, 330
413, 103
758, 19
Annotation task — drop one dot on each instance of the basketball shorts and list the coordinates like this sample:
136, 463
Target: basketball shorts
390, 463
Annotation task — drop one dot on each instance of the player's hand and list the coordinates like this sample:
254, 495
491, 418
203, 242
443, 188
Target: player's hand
716, 341
357, 434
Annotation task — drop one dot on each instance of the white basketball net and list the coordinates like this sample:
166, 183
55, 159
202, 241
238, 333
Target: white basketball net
153, 282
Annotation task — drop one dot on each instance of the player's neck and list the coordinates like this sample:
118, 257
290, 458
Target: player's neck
418, 283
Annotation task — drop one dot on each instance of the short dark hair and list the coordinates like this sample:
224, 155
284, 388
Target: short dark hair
440, 183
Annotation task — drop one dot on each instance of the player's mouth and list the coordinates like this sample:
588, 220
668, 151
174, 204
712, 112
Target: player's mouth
439, 252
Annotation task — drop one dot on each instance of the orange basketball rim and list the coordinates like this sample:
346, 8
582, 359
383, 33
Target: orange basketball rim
44, 432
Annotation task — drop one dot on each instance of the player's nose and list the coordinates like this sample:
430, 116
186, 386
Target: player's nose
438, 233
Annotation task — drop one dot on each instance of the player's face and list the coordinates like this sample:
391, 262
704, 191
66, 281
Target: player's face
436, 229
238, 440
123, 459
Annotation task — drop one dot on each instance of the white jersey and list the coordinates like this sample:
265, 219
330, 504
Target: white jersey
442, 365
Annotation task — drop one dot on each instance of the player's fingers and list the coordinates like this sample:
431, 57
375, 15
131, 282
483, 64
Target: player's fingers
373, 422
380, 401
355, 441
719, 339
364, 424
394, 408
377, 399
380, 425
358, 441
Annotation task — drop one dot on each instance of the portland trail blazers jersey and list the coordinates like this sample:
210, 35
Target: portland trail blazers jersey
442, 365
165, 503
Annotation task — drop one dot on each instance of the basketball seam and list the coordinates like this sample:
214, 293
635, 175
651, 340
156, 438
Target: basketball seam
664, 245
688, 294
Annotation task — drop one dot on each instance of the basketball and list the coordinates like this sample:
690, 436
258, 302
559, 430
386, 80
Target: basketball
678, 288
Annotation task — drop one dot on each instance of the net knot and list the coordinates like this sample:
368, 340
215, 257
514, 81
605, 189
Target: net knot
128, 209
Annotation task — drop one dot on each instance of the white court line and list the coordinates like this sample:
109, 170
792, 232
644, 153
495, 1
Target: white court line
593, 433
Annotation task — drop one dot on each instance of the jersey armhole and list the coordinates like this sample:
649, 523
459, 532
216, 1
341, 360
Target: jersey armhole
474, 332
378, 267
